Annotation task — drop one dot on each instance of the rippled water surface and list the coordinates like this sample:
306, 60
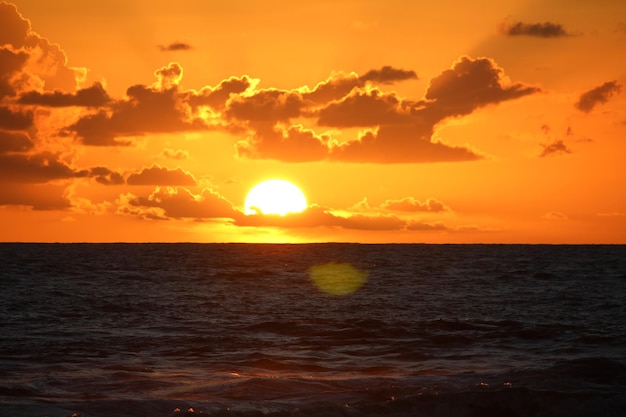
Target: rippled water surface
235, 329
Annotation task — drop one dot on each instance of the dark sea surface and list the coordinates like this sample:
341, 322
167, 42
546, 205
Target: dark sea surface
121, 330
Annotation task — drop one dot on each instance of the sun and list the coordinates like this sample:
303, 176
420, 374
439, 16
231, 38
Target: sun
275, 197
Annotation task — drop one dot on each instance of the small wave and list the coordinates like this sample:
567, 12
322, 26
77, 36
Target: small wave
514, 402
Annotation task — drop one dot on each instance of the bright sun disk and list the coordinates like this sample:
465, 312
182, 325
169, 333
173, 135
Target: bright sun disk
275, 197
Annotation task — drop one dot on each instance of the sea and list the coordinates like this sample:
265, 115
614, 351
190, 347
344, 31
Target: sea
329, 329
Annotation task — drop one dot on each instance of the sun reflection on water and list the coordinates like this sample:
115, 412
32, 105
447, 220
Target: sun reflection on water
337, 278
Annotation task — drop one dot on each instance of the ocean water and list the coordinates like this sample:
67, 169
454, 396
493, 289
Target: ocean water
121, 330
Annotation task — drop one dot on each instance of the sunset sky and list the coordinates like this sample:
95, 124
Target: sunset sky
444, 122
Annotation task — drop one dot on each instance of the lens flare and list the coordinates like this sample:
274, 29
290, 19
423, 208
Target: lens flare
337, 278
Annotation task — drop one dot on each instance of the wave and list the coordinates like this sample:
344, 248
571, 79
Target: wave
482, 401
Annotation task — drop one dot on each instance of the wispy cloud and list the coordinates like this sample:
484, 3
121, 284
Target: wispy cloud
598, 95
539, 30
175, 46
557, 147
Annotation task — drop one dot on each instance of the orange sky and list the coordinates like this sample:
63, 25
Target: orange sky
400, 121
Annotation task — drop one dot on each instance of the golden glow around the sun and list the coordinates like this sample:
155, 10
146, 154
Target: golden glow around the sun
275, 197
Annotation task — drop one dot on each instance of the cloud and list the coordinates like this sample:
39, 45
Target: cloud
410, 204
557, 147
169, 76
14, 28
407, 135
281, 124
399, 144
179, 203
11, 63
105, 176
37, 168
266, 105
177, 154
15, 120
216, 97
598, 95
539, 30
399, 130
14, 142
156, 175
174, 202
333, 88
175, 46
292, 144
147, 109
364, 108
316, 216
341, 84
94, 96
388, 75
424, 226
467, 86
29, 61
42, 167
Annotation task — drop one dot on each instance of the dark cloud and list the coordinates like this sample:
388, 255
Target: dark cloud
364, 108
27, 59
147, 109
557, 147
94, 96
340, 85
293, 144
105, 176
216, 97
11, 63
175, 46
467, 86
598, 95
15, 120
14, 28
37, 168
397, 130
14, 142
44, 167
266, 105
181, 203
156, 175
401, 130
540, 30
399, 144
333, 88
388, 75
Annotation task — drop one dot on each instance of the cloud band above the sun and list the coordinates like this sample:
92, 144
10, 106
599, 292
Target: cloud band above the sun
397, 129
